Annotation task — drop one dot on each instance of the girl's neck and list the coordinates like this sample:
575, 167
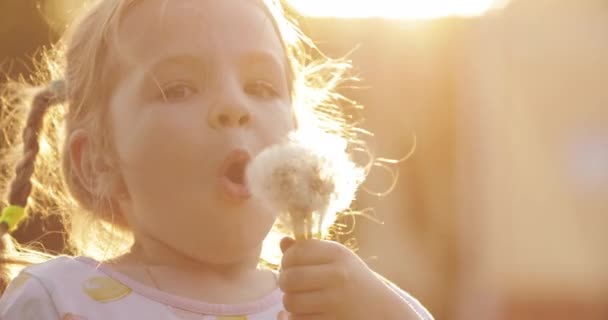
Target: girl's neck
157, 266
158, 256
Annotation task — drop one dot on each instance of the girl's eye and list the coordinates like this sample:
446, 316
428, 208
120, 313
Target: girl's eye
176, 92
261, 89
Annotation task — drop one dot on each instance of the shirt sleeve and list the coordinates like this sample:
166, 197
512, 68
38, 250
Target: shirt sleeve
420, 310
26, 298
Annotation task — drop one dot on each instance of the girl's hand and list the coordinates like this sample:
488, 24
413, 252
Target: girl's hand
325, 280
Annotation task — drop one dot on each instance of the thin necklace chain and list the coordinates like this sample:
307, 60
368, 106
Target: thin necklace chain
157, 286
149, 273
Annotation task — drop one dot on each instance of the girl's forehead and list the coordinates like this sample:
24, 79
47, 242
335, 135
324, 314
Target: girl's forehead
228, 28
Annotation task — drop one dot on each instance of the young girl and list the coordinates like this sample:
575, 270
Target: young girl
166, 102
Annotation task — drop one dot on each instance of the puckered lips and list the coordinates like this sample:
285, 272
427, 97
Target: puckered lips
232, 175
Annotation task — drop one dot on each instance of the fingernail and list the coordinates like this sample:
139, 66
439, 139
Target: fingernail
286, 243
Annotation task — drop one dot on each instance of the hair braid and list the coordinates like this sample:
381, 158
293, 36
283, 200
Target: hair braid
21, 185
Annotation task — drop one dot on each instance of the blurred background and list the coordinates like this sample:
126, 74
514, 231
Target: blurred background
502, 210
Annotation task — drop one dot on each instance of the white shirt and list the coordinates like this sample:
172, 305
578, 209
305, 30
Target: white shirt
66, 288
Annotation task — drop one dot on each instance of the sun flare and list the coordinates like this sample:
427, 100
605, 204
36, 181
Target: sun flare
401, 9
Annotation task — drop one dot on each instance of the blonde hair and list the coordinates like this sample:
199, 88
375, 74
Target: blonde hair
94, 227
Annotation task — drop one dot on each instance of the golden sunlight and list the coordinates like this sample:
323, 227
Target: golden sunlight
402, 9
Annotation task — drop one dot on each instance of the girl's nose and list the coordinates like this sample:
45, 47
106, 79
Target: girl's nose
230, 111
231, 117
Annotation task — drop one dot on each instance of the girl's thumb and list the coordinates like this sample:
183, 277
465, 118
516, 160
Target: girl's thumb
286, 243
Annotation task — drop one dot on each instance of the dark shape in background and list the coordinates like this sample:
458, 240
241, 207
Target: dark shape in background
23, 32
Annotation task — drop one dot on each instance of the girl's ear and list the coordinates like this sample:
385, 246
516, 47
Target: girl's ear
92, 171
79, 153
95, 176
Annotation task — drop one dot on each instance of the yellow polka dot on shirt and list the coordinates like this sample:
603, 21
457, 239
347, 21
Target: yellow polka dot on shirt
105, 289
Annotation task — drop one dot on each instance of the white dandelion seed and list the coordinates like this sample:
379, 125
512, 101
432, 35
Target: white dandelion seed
308, 184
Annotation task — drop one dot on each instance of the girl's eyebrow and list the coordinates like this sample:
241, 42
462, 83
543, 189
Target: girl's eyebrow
178, 60
190, 60
196, 64
168, 66
261, 57
268, 61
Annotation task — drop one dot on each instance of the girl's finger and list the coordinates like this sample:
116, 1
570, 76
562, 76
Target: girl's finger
312, 252
286, 243
312, 302
311, 278
283, 315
